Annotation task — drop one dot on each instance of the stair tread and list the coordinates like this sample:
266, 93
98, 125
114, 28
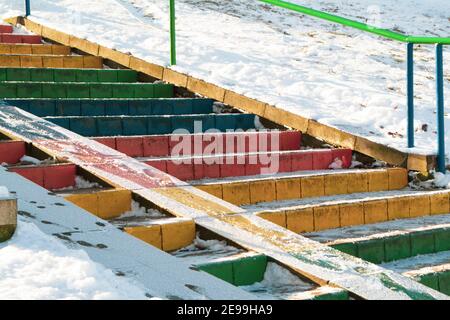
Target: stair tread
336, 199
282, 175
231, 154
380, 230
421, 264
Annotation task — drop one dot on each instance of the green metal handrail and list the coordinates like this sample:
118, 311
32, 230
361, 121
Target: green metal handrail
358, 25
388, 34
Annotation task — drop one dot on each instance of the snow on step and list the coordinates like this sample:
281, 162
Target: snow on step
253, 233
390, 241
432, 270
162, 275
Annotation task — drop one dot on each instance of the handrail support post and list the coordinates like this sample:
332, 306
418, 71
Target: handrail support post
410, 93
173, 52
440, 108
27, 8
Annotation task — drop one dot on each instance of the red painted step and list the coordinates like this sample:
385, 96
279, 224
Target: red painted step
11, 151
6, 28
51, 177
20, 38
221, 166
163, 145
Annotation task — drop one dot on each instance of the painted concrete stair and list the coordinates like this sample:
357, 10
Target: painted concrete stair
34, 49
51, 177
432, 270
68, 75
113, 107
247, 164
392, 240
50, 61
247, 268
14, 89
149, 125
164, 145
260, 227
171, 234
11, 151
323, 213
20, 38
309, 184
6, 28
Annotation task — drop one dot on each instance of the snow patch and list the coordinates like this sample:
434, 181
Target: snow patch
36, 266
278, 283
137, 211
81, 183
4, 192
30, 160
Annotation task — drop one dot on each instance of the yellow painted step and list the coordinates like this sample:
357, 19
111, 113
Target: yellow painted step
252, 191
166, 234
107, 204
344, 213
50, 61
36, 49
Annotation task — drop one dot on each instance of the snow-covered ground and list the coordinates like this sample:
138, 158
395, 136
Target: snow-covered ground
337, 75
34, 266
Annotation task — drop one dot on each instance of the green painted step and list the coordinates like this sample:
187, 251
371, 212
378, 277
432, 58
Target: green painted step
113, 107
151, 125
432, 270
394, 247
240, 272
245, 271
84, 90
68, 75
437, 279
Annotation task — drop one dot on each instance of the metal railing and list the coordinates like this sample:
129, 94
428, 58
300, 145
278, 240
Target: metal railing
385, 33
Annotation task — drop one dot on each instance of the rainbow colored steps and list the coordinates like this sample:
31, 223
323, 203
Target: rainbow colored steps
139, 119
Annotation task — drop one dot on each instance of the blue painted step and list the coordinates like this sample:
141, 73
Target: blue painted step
112, 107
80, 90
150, 125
